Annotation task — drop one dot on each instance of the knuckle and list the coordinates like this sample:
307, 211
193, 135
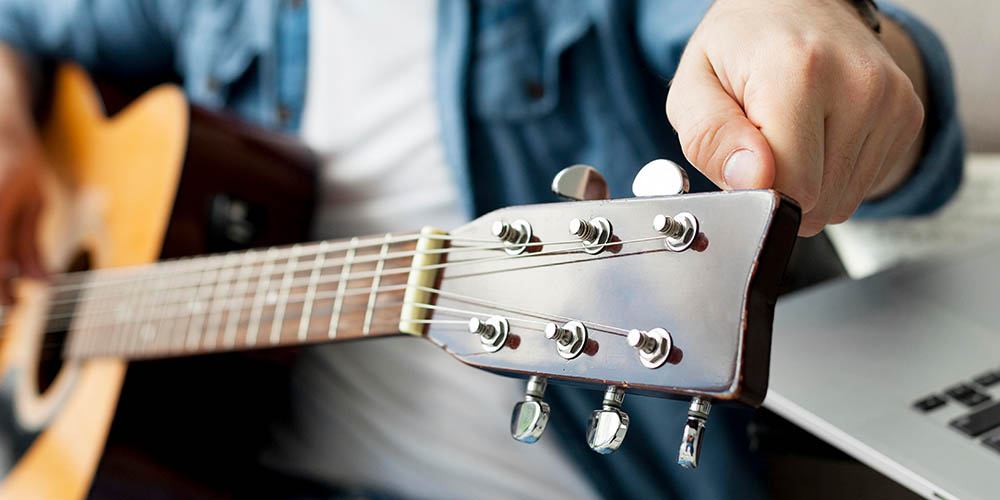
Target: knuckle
842, 214
808, 58
807, 197
810, 228
871, 82
913, 113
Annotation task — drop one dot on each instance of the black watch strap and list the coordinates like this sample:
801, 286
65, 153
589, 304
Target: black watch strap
869, 13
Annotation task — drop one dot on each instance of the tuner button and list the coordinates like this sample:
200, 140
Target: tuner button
660, 178
530, 416
680, 230
608, 425
580, 182
694, 432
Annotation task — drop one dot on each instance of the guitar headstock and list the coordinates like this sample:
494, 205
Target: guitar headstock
672, 296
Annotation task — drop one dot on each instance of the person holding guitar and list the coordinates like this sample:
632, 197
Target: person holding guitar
444, 109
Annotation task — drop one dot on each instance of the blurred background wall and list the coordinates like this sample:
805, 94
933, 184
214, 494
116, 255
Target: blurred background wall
971, 33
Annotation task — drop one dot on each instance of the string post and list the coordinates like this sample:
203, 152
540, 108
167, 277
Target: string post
680, 230
514, 235
594, 234
569, 338
492, 332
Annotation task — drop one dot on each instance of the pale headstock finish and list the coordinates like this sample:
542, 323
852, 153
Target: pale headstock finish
716, 298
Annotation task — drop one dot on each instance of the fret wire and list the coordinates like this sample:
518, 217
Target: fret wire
146, 306
283, 291
375, 281
109, 327
195, 308
80, 327
177, 326
346, 309
258, 301
225, 283
338, 302
125, 311
311, 294
320, 296
242, 285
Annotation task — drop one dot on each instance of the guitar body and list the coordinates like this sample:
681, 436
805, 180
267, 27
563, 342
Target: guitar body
96, 201
117, 189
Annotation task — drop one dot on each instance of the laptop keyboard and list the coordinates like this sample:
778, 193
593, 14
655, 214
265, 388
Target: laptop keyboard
982, 413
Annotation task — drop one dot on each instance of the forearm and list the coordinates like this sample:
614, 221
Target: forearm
15, 96
907, 56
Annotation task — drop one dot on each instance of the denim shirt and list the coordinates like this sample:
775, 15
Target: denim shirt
524, 88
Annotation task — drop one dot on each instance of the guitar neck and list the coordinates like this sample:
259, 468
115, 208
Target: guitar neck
320, 292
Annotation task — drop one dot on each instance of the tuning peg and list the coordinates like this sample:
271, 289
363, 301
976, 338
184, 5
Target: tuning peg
531, 415
694, 432
608, 425
660, 178
580, 182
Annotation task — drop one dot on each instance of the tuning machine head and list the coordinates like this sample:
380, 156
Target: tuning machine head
694, 433
580, 182
608, 425
660, 178
531, 415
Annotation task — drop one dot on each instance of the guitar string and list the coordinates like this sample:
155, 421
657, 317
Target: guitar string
335, 279
353, 292
238, 265
123, 338
139, 272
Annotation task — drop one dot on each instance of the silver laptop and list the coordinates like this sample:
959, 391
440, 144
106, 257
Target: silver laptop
900, 370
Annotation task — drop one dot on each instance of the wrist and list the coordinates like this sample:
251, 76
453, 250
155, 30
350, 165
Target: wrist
906, 55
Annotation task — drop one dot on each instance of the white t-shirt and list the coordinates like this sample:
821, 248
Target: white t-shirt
397, 414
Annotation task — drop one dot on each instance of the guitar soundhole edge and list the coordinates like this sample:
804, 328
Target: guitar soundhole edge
50, 360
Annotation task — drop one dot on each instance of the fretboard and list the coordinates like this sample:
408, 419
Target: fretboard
319, 292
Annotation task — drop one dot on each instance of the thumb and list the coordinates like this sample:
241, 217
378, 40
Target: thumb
715, 134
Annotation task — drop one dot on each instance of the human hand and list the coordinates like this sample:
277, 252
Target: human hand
803, 97
21, 162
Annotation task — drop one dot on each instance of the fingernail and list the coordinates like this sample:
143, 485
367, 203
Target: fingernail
740, 170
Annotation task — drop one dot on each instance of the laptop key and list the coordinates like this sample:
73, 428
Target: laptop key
960, 391
975, 399
979, 421
967, 395
987, 379
993, 442
929, 403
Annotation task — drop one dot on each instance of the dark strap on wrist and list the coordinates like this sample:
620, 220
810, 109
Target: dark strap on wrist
869, 13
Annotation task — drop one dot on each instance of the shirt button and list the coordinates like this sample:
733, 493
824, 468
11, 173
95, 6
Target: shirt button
534, 89
295, 3
212, 84
284, 114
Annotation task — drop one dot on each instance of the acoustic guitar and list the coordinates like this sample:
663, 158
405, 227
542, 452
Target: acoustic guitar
668, 295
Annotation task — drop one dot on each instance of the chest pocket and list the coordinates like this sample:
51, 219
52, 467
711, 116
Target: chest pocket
516, 52
217, 52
